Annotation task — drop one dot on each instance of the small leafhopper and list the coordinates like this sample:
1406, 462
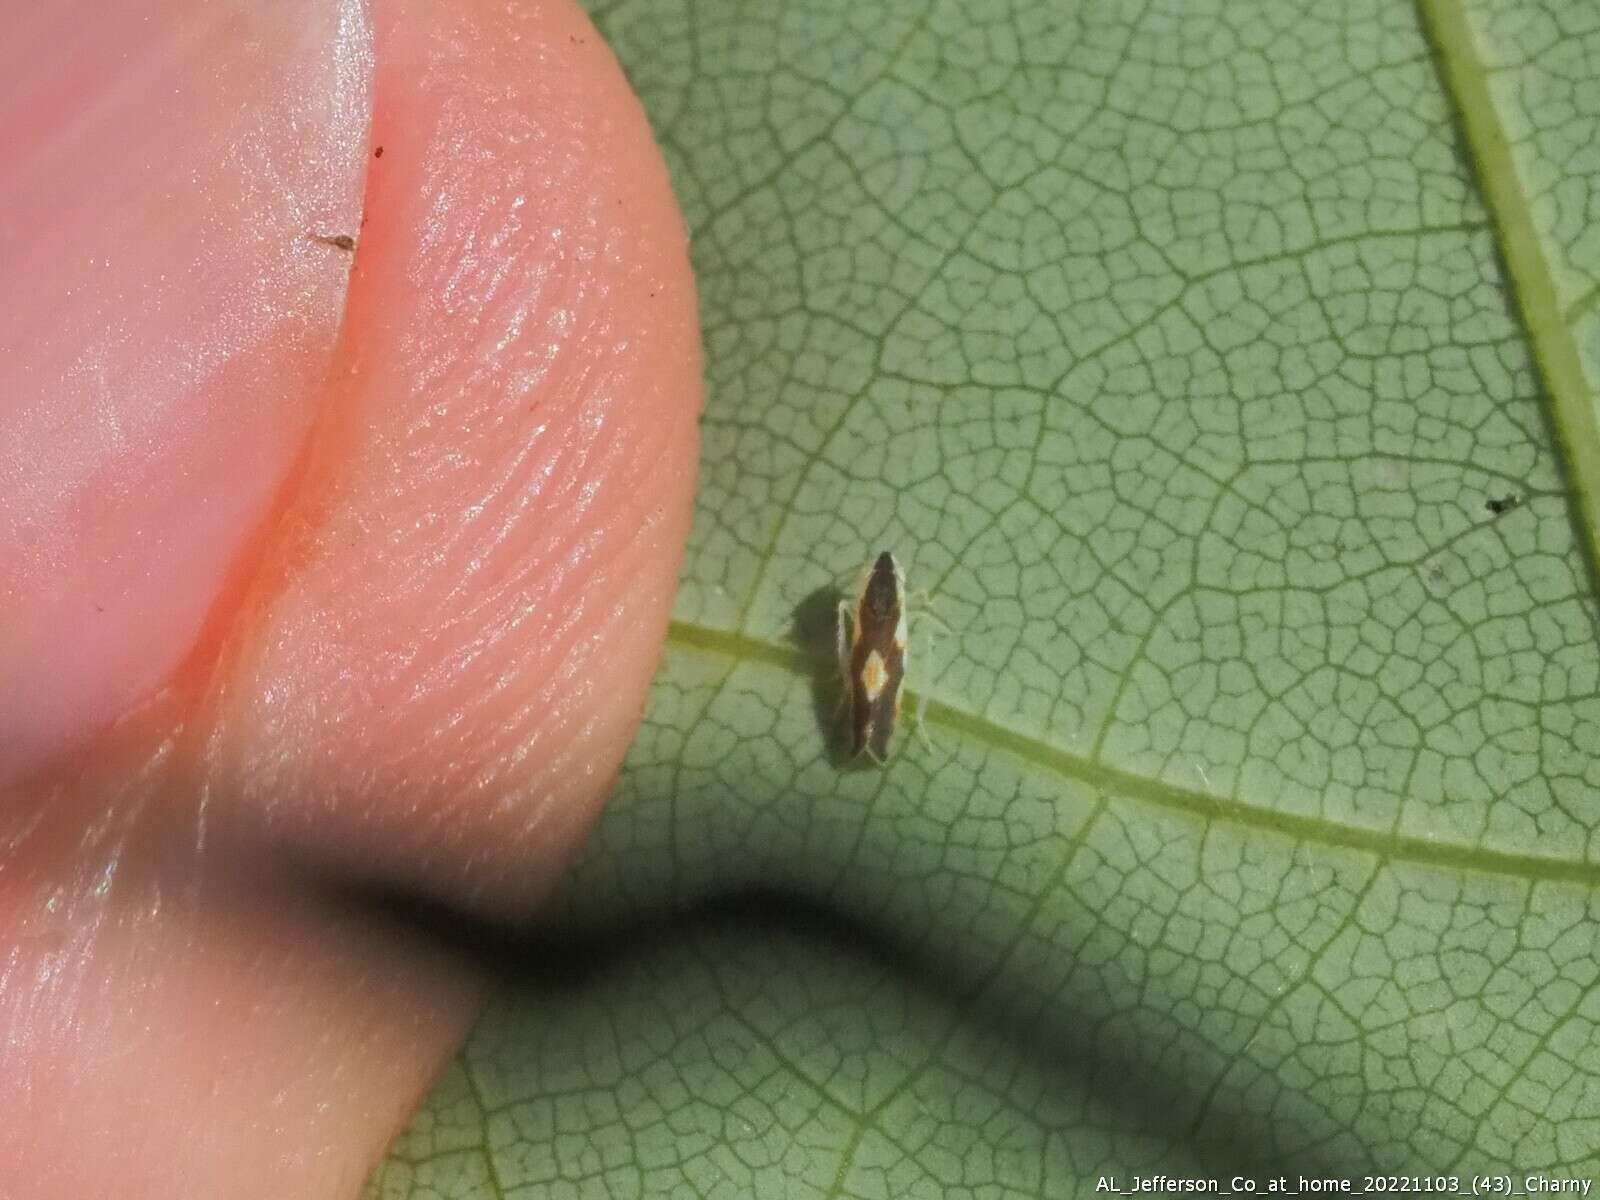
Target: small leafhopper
871, 639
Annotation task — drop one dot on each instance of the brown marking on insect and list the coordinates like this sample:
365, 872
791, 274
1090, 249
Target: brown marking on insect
342, 241
378, 153
872, 657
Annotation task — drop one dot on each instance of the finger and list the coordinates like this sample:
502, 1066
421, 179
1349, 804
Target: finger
164, 326
163, 875
448, 648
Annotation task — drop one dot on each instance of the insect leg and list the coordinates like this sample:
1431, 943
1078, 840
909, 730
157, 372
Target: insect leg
919, 607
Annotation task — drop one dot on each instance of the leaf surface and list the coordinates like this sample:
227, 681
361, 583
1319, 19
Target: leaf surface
1226, 375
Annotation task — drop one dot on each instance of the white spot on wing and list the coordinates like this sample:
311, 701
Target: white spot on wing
874, 674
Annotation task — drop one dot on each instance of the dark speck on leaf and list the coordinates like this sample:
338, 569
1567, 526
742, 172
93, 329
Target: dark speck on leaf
1502, 504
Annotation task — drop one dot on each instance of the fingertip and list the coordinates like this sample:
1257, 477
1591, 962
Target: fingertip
163, 329
449, 651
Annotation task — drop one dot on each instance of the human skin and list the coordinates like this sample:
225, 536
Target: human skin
326, 576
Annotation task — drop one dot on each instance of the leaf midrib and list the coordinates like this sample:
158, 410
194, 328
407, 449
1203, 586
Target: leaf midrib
1465, 81
1396, 847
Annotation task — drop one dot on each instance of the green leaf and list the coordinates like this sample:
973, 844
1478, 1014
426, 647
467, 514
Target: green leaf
1226, 373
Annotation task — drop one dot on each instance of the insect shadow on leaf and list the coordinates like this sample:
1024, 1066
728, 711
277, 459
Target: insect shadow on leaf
815, 633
